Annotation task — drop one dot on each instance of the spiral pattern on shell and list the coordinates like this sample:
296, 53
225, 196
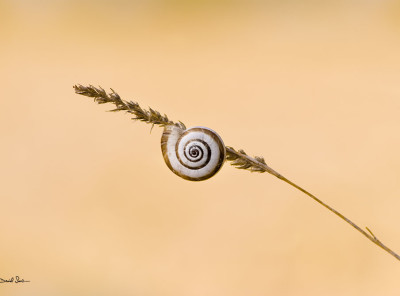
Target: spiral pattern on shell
194, 154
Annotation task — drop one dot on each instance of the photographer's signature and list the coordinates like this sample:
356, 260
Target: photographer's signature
16, 280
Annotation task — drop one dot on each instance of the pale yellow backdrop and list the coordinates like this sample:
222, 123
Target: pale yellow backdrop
87, 205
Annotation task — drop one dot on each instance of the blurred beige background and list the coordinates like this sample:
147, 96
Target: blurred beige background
88, 206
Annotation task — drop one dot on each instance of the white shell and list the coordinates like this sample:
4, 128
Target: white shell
194, 154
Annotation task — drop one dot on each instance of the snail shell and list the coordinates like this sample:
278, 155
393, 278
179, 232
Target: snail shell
194, 154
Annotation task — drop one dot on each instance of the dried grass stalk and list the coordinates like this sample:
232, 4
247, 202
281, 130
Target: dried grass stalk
238, 158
